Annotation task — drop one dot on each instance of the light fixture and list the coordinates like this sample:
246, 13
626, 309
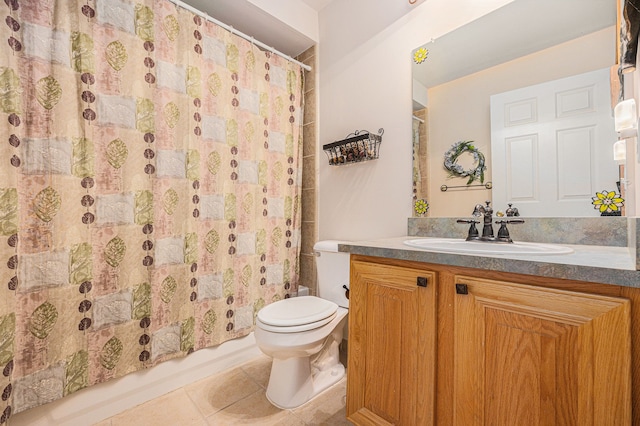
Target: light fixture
625, 116
620, 151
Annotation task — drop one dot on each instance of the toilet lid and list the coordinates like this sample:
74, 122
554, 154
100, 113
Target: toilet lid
295, 328
297, 311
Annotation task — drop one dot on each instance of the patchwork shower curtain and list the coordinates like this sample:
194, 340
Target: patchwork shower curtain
149, 190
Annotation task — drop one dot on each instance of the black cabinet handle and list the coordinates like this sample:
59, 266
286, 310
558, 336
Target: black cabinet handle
421, 281
462, 289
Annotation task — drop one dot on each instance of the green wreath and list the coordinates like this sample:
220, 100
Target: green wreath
456, 170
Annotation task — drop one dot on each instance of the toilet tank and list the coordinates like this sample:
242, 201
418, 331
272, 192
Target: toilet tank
332, 269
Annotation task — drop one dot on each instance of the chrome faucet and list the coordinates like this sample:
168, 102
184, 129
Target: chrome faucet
487, 212
487, 229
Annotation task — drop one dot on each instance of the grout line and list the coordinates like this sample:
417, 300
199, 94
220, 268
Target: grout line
252, 379
196, 404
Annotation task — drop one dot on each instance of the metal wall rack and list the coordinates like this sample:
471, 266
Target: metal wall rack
359, 146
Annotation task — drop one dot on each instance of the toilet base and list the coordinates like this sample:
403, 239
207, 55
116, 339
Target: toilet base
300, 386
296, 380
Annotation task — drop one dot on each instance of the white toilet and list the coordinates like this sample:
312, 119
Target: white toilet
303, 334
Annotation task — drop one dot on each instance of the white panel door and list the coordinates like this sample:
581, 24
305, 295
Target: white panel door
551, 146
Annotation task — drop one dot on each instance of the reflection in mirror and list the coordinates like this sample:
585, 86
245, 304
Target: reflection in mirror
522, 44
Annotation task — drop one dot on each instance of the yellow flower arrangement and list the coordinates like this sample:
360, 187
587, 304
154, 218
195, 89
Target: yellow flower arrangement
421, 207
607, 202
420, 55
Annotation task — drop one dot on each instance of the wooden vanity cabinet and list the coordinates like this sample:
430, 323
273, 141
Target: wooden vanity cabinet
525, 355
487, 348
392, 332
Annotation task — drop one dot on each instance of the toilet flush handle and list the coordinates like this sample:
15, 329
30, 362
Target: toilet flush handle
346, 293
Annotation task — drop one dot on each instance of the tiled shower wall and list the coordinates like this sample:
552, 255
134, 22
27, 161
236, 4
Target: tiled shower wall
309, 171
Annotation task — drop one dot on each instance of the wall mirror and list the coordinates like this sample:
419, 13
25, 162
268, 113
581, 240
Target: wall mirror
523, 44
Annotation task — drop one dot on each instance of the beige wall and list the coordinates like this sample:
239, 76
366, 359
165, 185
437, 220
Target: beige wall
459, 110
365, 83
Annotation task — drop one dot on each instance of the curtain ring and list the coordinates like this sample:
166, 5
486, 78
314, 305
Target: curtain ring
412, 1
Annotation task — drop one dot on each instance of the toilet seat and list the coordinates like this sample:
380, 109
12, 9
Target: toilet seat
296, 314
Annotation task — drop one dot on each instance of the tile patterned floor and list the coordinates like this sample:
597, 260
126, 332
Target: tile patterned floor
234, 397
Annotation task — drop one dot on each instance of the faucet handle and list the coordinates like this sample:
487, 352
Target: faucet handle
504, 222
503, 232
473, 231
512, 211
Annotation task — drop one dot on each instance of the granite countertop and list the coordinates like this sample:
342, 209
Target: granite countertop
598, 264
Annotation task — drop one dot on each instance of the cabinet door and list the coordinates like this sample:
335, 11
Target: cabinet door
537, 356
392, 326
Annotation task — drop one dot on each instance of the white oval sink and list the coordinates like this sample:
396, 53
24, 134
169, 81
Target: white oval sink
453, 245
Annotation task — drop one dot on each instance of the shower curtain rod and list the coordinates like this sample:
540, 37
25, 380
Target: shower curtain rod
238, 33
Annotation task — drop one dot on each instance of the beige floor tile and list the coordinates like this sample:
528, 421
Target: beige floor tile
259, 370
328, 408
174, 408
235, 397
254, 410
217, 392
